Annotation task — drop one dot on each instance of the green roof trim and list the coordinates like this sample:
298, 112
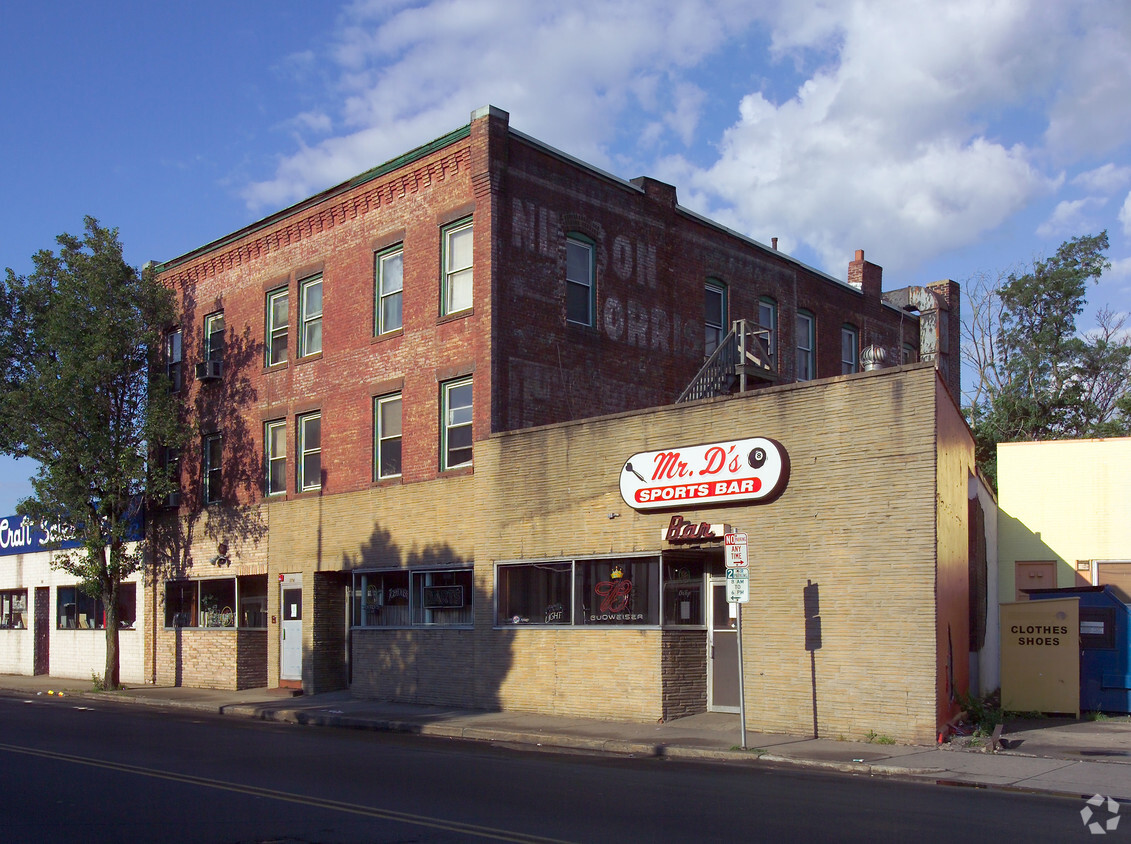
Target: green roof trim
367, 176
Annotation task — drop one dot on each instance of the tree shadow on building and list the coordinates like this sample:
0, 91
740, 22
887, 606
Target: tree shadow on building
421, 626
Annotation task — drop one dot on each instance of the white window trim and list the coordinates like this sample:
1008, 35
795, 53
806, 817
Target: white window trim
383, 295
213, 352
717, 287
273, 329
307, 318
767, 302
448, 301
301, 481
271, 458
446, 427
380, 437
208, 469
809, 346
587, 282
850, 365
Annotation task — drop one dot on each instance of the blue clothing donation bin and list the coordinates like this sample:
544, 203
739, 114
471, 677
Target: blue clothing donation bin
1105, 646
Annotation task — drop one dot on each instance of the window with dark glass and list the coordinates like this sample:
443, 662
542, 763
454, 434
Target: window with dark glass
218, 602
76, 610
683, 604
252, 600
420, 597
442, 598
214, 336
768, 320
174, 360
535, 593
579, 281
381, 599
212, 463
714, 316
849, 350
806, 346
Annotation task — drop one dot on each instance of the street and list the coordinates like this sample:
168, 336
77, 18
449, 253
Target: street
90, 771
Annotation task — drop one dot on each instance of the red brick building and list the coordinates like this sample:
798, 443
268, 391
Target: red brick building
366, 340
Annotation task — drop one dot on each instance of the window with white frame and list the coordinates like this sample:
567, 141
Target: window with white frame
390, 290
806, 346
211, 464
387, 428
275, 456
622, 591
278, 325
310, 316
13, 609
457, 263
174, 360
456, 430
768, 319
171, 463
714, 315
849, 350
579, 281
410, 598
76, 610
214, 336
309, 452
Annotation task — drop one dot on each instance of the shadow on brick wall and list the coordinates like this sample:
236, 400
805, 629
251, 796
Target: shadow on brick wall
422, 627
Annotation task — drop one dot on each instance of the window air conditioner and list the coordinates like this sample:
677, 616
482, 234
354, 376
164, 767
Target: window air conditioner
209, 370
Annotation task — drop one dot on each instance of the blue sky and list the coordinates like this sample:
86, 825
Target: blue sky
943, 139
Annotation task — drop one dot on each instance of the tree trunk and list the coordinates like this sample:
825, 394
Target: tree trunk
110, 680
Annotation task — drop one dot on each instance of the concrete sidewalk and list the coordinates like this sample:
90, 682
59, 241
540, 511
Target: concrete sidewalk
1065, 756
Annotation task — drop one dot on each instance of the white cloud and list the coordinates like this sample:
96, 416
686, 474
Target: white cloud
909, 127
1106, 179
1125, 215
1069, 218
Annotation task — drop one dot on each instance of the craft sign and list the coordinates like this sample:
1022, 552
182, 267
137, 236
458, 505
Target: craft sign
730, 472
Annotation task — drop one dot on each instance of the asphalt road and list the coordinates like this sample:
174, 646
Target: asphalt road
79, 771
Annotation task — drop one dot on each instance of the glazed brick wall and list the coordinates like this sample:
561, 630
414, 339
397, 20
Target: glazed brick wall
684, 670
212, 659
858, 519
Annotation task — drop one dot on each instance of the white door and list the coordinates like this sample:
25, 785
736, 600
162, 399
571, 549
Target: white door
290, 651
722, 650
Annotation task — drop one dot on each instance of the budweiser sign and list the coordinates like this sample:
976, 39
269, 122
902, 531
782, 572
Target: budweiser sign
732, 472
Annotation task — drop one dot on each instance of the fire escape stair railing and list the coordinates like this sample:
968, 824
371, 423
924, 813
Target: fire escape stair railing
741, 356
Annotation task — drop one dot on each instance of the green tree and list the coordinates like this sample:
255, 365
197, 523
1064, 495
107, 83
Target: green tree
84, 396
1035, 376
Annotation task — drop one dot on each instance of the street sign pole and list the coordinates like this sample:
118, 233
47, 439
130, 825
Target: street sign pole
738, 564
741, 675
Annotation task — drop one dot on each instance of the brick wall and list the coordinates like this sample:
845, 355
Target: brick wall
684, 670
328, 636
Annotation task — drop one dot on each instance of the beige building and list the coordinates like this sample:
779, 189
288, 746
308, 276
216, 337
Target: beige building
540, 583
1062, 521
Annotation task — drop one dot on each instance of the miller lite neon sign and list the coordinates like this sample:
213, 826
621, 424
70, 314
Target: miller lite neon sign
732, 472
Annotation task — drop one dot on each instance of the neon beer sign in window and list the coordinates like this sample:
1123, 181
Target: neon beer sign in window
730, 472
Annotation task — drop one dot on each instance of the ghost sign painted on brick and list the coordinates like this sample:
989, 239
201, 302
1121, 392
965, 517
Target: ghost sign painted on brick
731, 472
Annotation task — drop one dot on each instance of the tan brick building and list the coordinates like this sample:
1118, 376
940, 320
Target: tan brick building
369, 505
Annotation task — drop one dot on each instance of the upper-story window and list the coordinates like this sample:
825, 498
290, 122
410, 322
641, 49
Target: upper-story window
389, 287
310, 316
214, 336
275, 456
457, 263
806, 346
849, 350
174, 360
309, 452
455, 450
212, 462
768, 319
387, 431
909, 354
714, 315
579, 281
278, 325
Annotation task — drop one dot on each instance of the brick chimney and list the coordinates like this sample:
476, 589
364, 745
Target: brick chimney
865, 276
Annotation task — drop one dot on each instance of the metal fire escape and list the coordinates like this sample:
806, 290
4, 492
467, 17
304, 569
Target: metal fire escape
742, 358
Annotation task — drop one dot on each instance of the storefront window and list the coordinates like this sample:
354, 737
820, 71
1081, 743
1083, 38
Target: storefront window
13, 609
537, 593
253, 600
76, 610
404, 598
683, 594
380, 599
218, 603
617, 592
442, 597
180, 604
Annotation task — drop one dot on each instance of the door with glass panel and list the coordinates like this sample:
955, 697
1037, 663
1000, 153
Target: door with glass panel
722, 650
290, 651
